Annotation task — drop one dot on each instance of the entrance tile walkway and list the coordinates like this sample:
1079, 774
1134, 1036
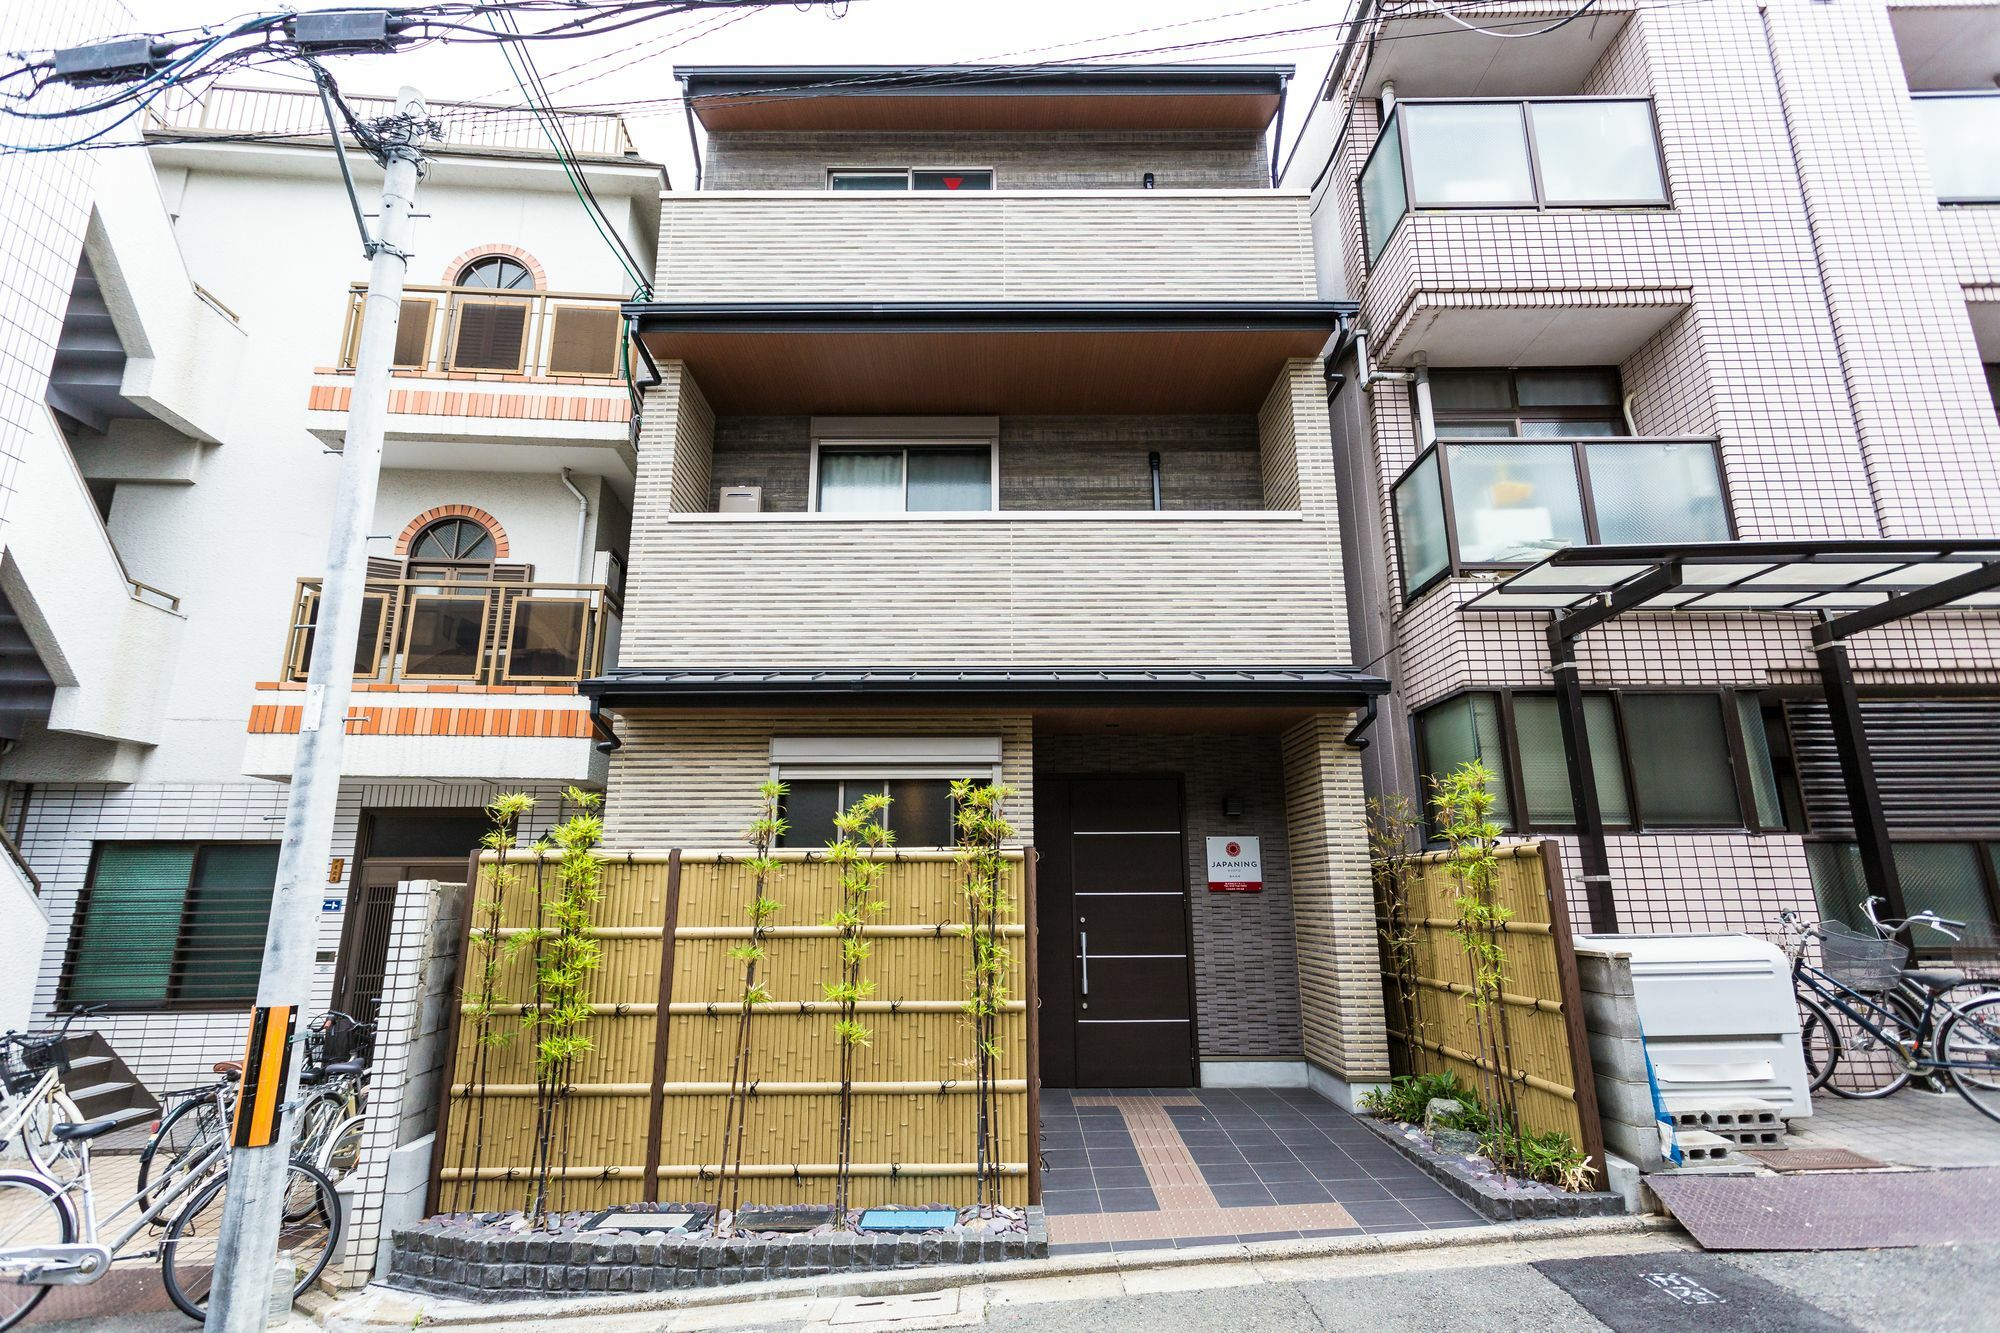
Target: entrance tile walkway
1911, 1128
1155, 1168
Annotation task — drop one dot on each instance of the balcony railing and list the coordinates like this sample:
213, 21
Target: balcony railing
473, 632
1962, 132
281, 111
481, 330
1561, 152
1466, 506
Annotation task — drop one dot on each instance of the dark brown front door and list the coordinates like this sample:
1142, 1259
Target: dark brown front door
1115, 889
395, 846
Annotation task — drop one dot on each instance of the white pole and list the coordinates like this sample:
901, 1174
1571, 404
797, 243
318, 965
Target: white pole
247, 1249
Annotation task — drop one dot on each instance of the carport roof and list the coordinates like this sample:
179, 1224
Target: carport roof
641, 687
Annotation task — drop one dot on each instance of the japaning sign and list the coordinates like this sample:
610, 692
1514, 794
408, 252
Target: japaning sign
1235, 865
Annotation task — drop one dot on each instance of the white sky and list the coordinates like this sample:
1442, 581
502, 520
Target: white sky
634, 63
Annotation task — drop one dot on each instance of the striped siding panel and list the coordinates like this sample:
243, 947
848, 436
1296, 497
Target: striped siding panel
988, 592
692, 781
1333, 906
999, 246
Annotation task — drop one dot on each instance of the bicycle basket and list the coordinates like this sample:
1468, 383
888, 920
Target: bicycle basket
31, 1056
1860, 962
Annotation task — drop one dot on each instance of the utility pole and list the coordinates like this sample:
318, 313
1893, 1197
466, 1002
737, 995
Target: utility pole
246, 1253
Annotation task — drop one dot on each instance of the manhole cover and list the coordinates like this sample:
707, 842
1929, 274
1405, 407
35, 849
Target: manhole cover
1813, 1159
1646, 1293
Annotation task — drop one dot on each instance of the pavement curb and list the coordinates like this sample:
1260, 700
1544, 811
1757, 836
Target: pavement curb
378, 1307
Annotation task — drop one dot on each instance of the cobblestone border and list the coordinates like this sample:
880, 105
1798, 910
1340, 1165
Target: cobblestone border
444, 1259
1487, 1201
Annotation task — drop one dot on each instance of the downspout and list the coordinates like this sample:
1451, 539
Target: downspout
694, 141
582, 528
1278, 130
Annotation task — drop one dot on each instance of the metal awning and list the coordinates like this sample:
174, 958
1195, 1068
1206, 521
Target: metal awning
1830, 577
642, 687
1847, 587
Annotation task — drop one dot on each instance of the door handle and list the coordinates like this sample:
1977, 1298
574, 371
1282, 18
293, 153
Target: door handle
1085, 946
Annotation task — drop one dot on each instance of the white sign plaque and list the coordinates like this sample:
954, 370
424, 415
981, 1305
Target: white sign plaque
1235, 865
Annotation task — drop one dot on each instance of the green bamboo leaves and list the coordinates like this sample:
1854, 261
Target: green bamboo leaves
481, 997
860, 837
982, 830
764, 833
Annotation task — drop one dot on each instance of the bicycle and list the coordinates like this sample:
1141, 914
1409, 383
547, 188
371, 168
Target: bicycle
1893, 1022
50, 1234
32, 1099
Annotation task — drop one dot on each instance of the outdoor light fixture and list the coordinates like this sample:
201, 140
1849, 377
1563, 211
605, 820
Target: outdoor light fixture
1232, 805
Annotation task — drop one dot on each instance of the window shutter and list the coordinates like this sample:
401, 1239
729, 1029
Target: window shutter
413, 334
490, 335
130, 921
585, 340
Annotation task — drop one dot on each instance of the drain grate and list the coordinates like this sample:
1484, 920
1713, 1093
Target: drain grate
930, 1309
1814, 1159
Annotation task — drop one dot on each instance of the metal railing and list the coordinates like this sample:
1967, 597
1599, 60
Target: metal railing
483, 330
470, 631
279, 111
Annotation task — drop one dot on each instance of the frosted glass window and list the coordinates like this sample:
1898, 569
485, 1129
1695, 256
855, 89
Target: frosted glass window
1545, 761
861, 483
1514, 503
1420, 525
1597, 152
950, 479
1467, 153
1680, 761
1383, 198
1455, 732
1648, 493
1962, 135
1763, 773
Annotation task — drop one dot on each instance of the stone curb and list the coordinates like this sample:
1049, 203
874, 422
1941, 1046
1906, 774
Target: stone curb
381, 1308
1498, 1207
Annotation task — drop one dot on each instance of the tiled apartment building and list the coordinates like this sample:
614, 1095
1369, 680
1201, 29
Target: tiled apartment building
171, 517
989, 440
1659, 274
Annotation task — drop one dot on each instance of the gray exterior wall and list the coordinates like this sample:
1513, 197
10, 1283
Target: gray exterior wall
1055, 462
1246, 974
1077, 160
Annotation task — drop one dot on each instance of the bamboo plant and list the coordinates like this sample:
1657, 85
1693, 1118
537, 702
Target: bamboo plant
481, 997
763, 834
566, 956
1463, 800
1392, 866
982, 830
859, 838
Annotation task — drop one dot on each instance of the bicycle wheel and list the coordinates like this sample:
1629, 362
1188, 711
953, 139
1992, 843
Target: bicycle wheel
184, 1133
1970, 1043
310, 1233
1871, 1066
33, 1212
55, 1159
1820, 1040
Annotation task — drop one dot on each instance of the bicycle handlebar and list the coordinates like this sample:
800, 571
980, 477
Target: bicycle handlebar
1887, 929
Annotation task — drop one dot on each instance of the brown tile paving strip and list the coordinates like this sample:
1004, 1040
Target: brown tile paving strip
1187, 1206
1814, 1159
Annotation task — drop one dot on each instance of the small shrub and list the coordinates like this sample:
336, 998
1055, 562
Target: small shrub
1407, 1095
1550, 1157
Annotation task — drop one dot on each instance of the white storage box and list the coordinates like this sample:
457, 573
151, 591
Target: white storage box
1720, 1020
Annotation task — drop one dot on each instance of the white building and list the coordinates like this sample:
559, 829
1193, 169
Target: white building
172, 510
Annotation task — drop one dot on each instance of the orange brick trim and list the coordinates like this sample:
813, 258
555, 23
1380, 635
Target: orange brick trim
537, 723
430, 516
533, 265
426, 687
458, 403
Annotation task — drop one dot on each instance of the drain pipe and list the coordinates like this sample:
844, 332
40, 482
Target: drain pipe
1427, 426
582, 528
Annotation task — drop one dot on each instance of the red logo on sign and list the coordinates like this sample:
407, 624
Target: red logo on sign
1234, 849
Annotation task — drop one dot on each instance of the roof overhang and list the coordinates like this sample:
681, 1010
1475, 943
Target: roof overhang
1427, 54
1022, 688
1007, 98
1831, 578
1596, 326
958, 357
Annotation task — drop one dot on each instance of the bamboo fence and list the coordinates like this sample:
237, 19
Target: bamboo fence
1546, 1048
646, 1109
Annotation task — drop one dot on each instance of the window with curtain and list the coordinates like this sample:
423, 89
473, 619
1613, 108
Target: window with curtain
920, 813
901, 478
1681, 765
1453, 733
165, 923
902, 179
1545, 761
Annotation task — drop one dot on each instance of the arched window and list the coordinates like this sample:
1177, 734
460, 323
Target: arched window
457, 540
497, 272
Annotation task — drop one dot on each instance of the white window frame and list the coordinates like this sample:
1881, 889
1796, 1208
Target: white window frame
886, 434
909, 175
876, 759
